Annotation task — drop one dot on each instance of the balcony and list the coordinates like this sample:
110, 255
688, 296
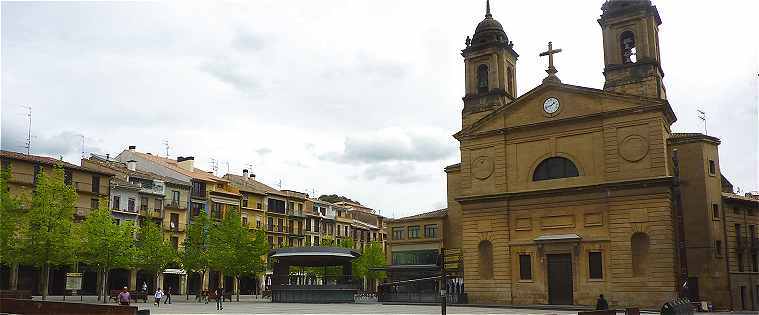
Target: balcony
754, 244
270, 227
296, 213
174, 228
175, 204
157, 188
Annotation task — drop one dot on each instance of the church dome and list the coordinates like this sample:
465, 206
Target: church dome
489, 30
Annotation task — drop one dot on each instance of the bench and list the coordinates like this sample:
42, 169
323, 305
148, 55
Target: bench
16, 294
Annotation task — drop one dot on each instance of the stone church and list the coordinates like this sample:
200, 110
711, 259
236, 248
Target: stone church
566, 192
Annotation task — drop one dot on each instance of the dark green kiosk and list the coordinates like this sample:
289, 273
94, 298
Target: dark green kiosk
288, 286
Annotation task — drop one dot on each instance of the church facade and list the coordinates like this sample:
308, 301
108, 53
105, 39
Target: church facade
567, 192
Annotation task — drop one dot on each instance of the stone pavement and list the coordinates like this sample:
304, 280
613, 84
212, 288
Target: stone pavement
252, 305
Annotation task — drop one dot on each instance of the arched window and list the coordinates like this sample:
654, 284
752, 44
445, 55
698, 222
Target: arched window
555, 167
486, 260
510, 80
639, 248
627, 45
482, 79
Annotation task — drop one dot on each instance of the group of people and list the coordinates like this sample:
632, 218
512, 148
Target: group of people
125, 298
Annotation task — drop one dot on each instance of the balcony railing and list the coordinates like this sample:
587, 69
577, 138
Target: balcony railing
754, 243
175, 204
295, 213
270, 227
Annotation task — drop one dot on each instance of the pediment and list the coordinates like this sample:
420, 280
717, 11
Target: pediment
576, 102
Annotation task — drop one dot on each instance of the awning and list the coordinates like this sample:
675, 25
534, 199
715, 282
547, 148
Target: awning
226, 201
558, 238
175, 271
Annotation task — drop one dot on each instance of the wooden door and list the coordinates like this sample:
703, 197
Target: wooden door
560, 279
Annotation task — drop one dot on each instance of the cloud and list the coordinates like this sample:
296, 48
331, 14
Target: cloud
230, 72
63, 143
393, 144
394, 173
263, 151
247, 41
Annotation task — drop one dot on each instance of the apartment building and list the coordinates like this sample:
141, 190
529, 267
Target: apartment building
91, 185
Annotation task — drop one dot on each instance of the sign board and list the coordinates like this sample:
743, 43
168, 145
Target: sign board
452, 259
73, 281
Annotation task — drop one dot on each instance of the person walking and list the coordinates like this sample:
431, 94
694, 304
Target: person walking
219, 299
601, 303
158, 295
124, 297
145, 287
168, 296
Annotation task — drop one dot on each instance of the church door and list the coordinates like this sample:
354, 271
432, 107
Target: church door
560, 279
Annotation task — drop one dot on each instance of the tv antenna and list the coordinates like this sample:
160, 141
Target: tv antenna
166, 145
702, 116
214, 165
28, 144
81, 137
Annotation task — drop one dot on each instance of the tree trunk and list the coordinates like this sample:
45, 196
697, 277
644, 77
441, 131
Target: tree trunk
237, 288
14, 277
106, 291
45, 280
98, 283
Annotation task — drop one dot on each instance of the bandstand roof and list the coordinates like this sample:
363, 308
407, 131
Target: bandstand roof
314, 256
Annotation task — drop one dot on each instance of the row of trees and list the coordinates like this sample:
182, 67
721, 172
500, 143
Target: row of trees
39, 230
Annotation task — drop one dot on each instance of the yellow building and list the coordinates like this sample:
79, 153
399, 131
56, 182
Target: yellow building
567, 192
92, 186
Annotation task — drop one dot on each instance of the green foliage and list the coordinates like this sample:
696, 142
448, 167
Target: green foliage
336, 198
153, 253
46, 231
327, 241
104, 243
372, 257
233, 250
195, 255
10, 218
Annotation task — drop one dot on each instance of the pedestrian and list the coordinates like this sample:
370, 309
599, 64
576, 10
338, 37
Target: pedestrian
144, 287
168, 296
158, 295
601, 303
219, 299
124, 297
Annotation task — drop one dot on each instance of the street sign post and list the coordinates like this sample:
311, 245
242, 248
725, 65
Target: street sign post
73, 283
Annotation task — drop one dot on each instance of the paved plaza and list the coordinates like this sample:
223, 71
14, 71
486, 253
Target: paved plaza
252, 305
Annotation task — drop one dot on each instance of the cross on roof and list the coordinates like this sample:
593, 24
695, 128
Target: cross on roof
551, 69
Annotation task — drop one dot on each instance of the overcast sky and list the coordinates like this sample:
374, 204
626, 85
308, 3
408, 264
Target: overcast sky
358, 98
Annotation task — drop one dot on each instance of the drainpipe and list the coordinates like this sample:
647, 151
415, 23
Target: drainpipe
680, 222
727, 256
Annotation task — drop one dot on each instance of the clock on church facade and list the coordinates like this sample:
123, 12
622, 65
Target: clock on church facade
566, 192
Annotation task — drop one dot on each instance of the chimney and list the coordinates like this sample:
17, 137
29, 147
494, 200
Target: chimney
132, 148
253, 176
245, 174
107, 157
132, 165
186, 163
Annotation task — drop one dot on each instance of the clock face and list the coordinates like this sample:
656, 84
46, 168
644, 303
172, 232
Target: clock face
551, 105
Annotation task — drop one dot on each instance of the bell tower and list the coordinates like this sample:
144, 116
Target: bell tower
490, 69
632, 64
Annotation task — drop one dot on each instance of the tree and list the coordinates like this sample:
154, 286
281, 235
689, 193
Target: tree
336, 198
195, 255
10, 218
232, 249
46, 236
372, 257
153, 253
105, 244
